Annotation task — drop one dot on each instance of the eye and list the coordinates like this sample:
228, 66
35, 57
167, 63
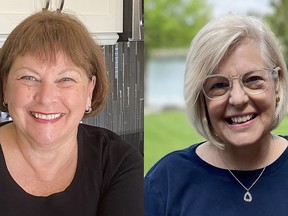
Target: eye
29, 78
220, 85
255, 80
66, 82
252, 79
255, 77
215, 83
216, 86
67, 79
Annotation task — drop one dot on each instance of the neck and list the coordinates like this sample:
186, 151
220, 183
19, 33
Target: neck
47, 162
250, 157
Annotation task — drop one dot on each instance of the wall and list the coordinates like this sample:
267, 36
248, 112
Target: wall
124, 112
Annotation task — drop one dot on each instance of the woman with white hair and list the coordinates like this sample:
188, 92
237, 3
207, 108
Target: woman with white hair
236, 93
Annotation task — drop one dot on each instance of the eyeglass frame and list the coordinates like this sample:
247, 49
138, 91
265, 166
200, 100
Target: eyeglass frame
274, 74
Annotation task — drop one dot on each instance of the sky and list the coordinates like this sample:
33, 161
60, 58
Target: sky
222, 7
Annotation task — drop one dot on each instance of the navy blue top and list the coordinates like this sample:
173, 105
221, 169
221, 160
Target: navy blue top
182, 184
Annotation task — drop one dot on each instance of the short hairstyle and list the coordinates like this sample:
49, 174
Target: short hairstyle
43, 35
207, 50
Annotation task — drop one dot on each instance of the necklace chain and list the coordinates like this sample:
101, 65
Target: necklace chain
247, 196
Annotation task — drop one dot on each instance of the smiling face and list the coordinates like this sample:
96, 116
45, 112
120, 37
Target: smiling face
47, 100
240, 118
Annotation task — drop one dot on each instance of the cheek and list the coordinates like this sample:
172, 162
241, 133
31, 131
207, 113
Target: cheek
18, 94
267, 104
216, 111
90, 87
76, 97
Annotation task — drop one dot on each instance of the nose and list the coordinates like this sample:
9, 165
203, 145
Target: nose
46, 94
238, 96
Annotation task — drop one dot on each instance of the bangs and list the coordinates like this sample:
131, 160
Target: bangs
46, 34
49, 36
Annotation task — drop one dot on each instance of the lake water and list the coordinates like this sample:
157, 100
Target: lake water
164, 82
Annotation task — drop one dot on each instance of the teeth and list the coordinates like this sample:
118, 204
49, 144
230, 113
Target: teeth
242, 119
46, 117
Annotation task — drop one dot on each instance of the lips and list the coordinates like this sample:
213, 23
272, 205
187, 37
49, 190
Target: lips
46, 117
240, 119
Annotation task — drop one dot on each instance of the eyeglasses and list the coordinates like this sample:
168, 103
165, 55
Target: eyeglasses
216, 87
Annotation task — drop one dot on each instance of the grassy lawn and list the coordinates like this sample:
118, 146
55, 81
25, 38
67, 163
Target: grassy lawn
168, 131
165, 132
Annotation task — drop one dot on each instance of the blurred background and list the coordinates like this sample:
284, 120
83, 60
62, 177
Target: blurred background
170, 25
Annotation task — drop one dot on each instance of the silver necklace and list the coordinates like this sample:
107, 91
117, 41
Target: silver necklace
247, 196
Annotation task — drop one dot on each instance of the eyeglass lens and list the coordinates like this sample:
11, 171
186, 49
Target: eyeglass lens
253, 82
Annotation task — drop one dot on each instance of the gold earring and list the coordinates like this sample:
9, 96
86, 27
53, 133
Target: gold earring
277, 99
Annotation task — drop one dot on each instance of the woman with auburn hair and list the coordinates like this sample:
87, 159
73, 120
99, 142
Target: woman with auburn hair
52, 76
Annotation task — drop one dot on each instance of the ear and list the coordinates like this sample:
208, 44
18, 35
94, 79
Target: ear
91, 86
4, 90
279, 74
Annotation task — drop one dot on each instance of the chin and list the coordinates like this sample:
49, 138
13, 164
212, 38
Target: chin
242, 139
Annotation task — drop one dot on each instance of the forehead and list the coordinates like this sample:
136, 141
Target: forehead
31, 58
246, 56
42, 66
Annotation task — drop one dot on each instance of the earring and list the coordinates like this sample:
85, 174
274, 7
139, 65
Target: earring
88, 111
277, 99
5, 104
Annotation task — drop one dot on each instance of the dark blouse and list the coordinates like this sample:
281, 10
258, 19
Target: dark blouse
108, 181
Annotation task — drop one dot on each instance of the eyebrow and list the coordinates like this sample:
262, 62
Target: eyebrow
67, 70
217, 72
26, 68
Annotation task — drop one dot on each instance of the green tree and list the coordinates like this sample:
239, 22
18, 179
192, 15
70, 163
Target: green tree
173, 23
278, 23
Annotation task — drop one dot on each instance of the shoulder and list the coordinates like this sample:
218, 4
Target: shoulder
176, 161
4, 123
97, 137
106, 145
89, 131
116, 165
177, 168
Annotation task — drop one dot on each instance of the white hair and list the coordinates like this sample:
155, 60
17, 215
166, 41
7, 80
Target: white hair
209, 47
